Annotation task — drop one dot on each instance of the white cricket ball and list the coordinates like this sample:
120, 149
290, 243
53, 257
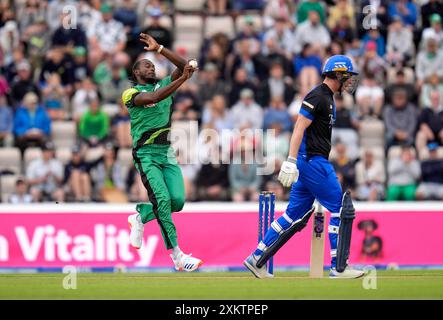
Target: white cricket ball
193, 63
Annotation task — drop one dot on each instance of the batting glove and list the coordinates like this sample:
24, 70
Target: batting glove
288, 172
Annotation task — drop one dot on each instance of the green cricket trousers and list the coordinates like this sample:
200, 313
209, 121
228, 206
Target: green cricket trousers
162, 178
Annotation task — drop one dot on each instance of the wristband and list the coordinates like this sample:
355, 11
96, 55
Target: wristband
292, 159
160, 48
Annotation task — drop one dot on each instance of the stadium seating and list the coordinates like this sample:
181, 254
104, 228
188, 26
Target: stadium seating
10, 160
63, 133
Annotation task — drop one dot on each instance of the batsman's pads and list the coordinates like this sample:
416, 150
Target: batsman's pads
283, 237
347, 215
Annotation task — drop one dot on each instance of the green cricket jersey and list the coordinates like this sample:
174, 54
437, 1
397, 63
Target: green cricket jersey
149, 124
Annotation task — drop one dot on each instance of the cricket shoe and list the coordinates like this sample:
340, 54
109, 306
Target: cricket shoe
185, 262
348, 273
136, 227
251, 264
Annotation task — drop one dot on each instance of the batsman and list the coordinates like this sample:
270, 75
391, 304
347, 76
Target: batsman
149, 103
312, 176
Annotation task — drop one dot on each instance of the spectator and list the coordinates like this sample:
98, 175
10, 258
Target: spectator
400, 120
37, 40
32, 125
434, 85
430, 123
370, 177
6, 123
429, 61
216, 116
111, 89
81, 67
239, 83
400, 46
276, 9
246, 113
400, 82
369, 97
94, 125
21, 194
428, 9
340, 12
431, 186
405, 9
311, 31
156, 30
109, 36
246, 60
403, 172
86, 93
23, 83
107, 177
282, 38
58, 62
276, 86
125, 12
68, 37
121, 127
31, 13
434, 31
277, 113
54, 97
55, 9
212, 180
345, 127
371, 63
45, 176
184, 109
344, 167
342, 32
9, 40
243, 177
249, 31
209, 78
276, 145
374, 35
306, 7
76, 176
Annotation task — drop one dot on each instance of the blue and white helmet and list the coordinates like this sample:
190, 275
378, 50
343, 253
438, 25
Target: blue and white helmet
339, 63
340, 67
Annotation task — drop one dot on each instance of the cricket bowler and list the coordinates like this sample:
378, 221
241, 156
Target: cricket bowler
312, 176
149, 103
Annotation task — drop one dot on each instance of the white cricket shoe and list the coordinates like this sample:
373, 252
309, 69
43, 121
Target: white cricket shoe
185, 262
348, 273
136, 227
251, 264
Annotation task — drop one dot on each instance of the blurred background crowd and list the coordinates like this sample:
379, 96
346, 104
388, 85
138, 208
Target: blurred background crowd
64, 133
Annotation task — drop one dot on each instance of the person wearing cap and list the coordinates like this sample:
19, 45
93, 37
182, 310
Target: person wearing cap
429, 8
149, 103
431, 186
406, 9
32, 125
156, 30
311, 176
246, 113
430, 122
45, 176
434, 31
81, 67
21, 194
76, 176
311, 31
23, 83
210, 80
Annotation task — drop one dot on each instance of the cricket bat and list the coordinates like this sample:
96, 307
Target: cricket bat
317, 243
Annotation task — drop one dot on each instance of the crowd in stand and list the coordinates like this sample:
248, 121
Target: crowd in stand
67, 62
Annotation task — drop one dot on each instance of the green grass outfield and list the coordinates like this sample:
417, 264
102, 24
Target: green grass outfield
423, 284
